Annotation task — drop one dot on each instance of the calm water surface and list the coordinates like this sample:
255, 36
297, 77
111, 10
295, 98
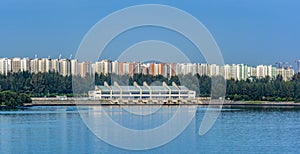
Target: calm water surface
61, 130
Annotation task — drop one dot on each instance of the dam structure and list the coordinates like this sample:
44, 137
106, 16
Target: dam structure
141, 92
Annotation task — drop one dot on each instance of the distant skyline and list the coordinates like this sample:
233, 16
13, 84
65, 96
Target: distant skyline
74, 67
249, 32
282, 65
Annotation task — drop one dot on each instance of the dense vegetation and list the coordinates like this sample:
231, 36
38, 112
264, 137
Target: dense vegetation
13, 99
36, 85
265, 89
52, 84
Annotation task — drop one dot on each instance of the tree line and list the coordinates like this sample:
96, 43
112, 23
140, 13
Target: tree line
13, 99
52, 84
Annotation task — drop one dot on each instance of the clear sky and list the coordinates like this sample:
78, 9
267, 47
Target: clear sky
252, 32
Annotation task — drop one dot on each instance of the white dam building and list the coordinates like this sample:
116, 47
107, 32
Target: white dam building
141, 92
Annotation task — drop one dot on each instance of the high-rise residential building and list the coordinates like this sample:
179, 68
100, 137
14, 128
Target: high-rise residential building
55, 65
133, 68
44, 65
130, 68
250, 71
136, 68
242, 72
98, 67
154, 69
144, 69
184, 68
74, 67
286, 73
172, 68
121, 68
92, 67
115, 67
261, 71
202, 69
48, 62
65, 67
82, 69
164, 70
89, 68
234, 71
16, 65
86, 68
177, 69
40, 65
214, 70
5, 66
126, 68
2, 66
272, 71
254, 72
104, 67
160, 69
227, 72
34, 65
192, 67
25, 64
231, 72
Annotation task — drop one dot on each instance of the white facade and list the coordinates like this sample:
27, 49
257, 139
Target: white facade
55, 66
65, 67
16, 65
44, 65
5, 66
115, 67
74, 67
141, 92
202, 69
25, 64
104, 67
286, 74
214, 70
34, 65
261, 71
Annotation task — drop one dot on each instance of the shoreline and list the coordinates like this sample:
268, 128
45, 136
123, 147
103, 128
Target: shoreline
73, 102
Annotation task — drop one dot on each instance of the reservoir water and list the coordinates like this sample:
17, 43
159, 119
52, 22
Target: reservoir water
61, 130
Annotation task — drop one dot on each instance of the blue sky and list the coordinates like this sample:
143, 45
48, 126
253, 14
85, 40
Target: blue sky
252, 32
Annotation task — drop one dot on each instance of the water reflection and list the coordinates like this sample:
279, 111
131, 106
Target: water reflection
61, 130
